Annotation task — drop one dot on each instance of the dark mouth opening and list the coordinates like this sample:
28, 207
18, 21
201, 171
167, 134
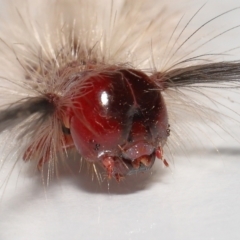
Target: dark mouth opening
141, 164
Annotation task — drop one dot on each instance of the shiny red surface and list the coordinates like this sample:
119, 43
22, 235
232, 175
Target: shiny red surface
120, 119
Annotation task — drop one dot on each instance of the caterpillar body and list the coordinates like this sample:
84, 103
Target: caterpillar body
77, 81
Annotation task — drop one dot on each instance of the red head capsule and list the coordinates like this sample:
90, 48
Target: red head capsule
120, 121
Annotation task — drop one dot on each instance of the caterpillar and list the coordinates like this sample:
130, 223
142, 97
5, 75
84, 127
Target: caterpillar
108, 82
112, 90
